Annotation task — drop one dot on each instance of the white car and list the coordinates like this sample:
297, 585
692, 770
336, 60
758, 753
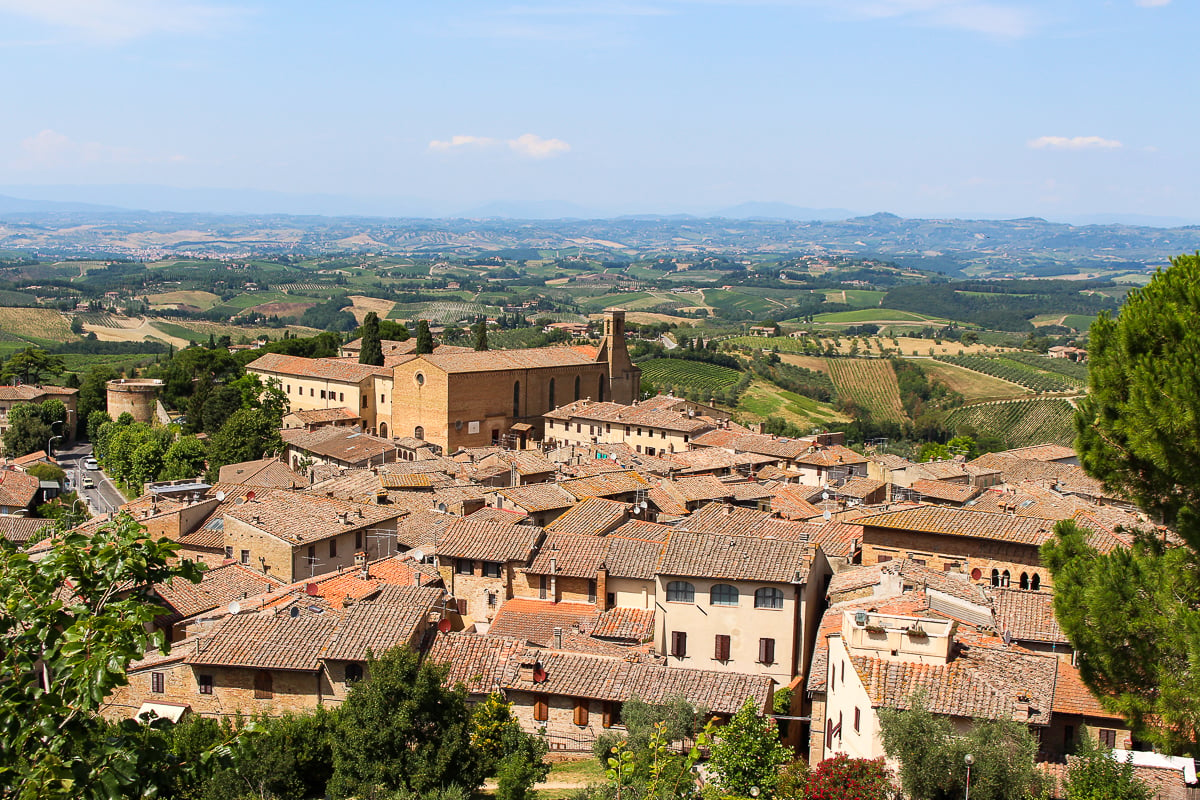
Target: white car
91, 464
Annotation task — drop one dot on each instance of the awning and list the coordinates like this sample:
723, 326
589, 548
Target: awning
171, 711
521, 427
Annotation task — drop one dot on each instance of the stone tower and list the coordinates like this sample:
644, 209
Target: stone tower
625, 379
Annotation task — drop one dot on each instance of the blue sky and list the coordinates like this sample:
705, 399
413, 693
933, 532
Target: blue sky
1056, 108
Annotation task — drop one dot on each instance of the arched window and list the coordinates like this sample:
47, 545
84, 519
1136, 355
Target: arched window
383, 430
517, 399
1024, 580
600, 390
354, 673
576, 387
995, 577
419, 433
681, 592
768, 597
1005, 578
1036, 583
723, 594
263, 685
552, 406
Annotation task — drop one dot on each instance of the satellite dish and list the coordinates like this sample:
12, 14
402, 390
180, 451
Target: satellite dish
824, 495
235, 608
239, 501
250, 495
220, 497
539, 674
444, 626
293, 612
827, 515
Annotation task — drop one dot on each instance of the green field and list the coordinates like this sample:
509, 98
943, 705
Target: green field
856, 298
665, 374
1018, 423
762, 400
869, 383
877, 315
1039, 378
1079, 322
725, 302
172, 329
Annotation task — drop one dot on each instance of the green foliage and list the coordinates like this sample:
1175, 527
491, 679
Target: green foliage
30, 426
424, 338
1031, 376
30, 365
1094, 774
932, 756
64, 654
782, 702
681, 720
522, 765
372, 349
748, 753
94, 421
1017, 423
402, 729
287, 758
245, 436
480, 333
184, 459
93, 392
46, 472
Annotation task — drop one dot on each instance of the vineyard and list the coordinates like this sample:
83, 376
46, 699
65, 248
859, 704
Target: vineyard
869, 384
440, 313
1072, 371
36, 323
100, 320
666, 374
1018, 423
1015, 371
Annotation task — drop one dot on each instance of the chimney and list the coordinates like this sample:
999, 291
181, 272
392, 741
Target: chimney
360, 561
525, 673
558, 638
602, 587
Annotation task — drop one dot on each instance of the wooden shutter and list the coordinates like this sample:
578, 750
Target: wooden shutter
581, 711
263, 685
541, 707
722, 648
766, 651
611, 713
679, 644
1108, 738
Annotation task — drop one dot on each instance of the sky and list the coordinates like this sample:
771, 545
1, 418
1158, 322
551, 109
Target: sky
1052, 108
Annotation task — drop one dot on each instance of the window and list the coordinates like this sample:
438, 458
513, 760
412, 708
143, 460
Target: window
541, 707
766, 651
995, 577
245, 557
517, 399
1024, 580
552, 397
312, 554
857, 718
420, 378
649, 451
768, 597
679, 643
322, 394
662, 434
289, 388
1036, 583
464, 566
626, 430
723, 595
264, 686
883, 559
311, 392
1108, 738
333, 548
358, 540
592, 591
843, 672
205, 683
608, 427
419, 433
681, 592
542, 588
156, 682
610, 713
229, 552
581, 711
491, 569
342, 396
491, 596
354, 673
576, 387
1005, 578
365, 401
721, 647
382, 398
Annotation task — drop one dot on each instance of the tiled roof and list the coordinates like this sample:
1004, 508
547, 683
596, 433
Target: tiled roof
594, 516
421, 529
570, 554
20, 530
349, 445
944, 490
1071, 696
267, 472
333, 589
940, 471
630, 556
300, 518
753, 490
620, 414
636, 624
217, 587
485, 663
958, 522
33, 392
891, 461
1028, 616
710, 459
700, 487
725, 557
488, 541
1042, 452
723, 519
489, 514
640, 529
330, 369
666, 502
837, 539
494, 360
1068, 479
605, 485
382, 621
831, 456
791, 502
539, 497
858, 487
907, 605
534, 621
17, 489
317, 416
267, 641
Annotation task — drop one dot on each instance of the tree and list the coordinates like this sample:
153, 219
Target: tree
219, 407
748, 753
1093, 773
30, 366
372, 350
846, 778
63, 655
184, 459
424, 338
93, 392
30, 426
403, 729
1137, 434
245, 436
480, 333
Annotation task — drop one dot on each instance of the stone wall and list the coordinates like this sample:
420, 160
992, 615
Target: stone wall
955, 553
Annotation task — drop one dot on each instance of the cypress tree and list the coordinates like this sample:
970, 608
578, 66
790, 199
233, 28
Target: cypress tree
424, 338
481, 342
372, 350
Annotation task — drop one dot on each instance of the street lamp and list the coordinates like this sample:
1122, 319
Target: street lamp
969, 760
49, 454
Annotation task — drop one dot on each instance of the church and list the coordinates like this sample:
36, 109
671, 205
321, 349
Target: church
455, 397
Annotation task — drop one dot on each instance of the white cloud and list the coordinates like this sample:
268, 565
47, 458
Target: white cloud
1153, 3
113, 21
1074, 143
51, 149
529, 145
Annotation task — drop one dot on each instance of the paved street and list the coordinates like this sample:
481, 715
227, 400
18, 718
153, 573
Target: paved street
105, 497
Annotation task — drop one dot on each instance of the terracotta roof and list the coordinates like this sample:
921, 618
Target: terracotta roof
495, 360
299, 518
1071, 696
17, 489
20, 530
912, 577
831, 623
317, 416
666, 502
958, 522
1028, 616
837, 539
267, 641
333, 589
831, 456
488, 541
534, 621
217, 588
791, 502
594, 517
489, 514
711, 459
944, 490
421, 529
1068, 479
723, 519
640, 529
390, 617
858, 488
727, 557
33, 392
1042, 452
569, 554
330, 369
632, 557
636, 624
539, 497
349, 445
605, 485
267, 472
620, 414
694, 489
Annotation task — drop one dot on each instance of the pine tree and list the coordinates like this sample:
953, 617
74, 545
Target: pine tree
424, 338
480, 331
372, 350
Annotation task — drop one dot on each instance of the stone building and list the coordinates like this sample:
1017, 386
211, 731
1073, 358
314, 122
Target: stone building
135, 397
13, 396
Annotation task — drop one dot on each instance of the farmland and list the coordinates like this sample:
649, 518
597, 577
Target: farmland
36, 323
763, 399
665, 374
870, 384
1071, 370
973, 386
441, 312
196, 299
1018, 423
1010, 369
880, 316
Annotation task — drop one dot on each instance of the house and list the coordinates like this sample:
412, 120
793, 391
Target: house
339, 417
647, 429
344, 448
18, 491
478, 562
268, 473
13, 396
1076, 354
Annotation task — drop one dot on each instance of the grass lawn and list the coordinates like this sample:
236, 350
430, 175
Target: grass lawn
586, 770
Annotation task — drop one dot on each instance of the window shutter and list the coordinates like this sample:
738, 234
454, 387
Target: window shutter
581, 711
857, 718
679, 644
722, 648
541, 707
766, 651
611, 713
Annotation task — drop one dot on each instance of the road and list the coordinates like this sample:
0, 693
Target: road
105, 497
